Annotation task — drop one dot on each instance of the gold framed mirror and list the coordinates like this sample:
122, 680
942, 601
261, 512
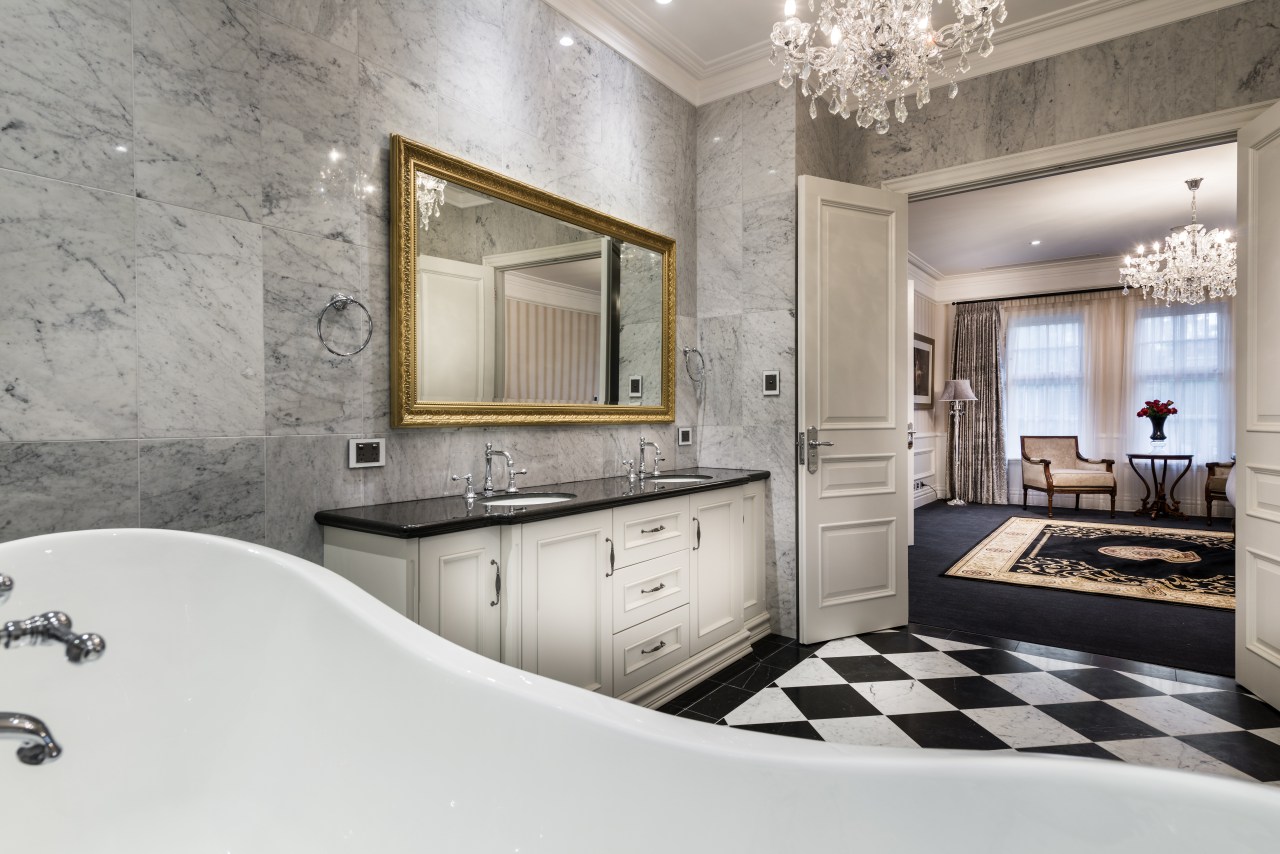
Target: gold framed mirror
511, 305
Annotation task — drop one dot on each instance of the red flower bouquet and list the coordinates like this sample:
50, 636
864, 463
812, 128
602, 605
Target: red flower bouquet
1155, 407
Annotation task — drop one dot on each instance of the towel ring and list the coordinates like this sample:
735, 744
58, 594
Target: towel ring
702, 365
340, 302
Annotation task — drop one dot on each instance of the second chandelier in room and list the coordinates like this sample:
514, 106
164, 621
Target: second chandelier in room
874, 52
1193, 265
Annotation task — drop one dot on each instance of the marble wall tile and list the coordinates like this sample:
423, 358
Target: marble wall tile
720, 345
400, 35
196, 91
768, 280
767, 342
308, 389
1021, 109
210, 486
1091, 91
1252, 70
332, 20
470, 134
65, 91
311, 176
200, 369
419, 463
388, 103
720, 255
719, 160
468, 31
67, 486
525, 52
305, 474
818, 144
768, 142
686, 261
578, 118
375, 361
68, 357
688, 392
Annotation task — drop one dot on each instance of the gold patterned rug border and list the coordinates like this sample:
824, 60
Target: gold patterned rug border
994, 557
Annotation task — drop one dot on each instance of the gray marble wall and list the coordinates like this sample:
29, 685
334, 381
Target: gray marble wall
168, 246
746, 307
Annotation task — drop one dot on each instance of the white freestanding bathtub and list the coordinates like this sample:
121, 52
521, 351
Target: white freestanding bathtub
249, 701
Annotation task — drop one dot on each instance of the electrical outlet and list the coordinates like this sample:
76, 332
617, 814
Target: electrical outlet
684, 435
366, 453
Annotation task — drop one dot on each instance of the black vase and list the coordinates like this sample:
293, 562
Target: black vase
1157, 427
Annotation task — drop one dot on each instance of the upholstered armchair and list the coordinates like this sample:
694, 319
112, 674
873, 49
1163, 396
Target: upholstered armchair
1215, 487
1053, 465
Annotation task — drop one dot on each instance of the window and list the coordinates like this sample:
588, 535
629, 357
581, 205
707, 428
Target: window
1044, 376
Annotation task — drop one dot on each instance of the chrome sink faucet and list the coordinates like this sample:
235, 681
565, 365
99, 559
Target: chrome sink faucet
656, 458
37, 744
488, 467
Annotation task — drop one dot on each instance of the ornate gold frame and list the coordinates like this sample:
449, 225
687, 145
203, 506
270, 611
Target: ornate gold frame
406, 411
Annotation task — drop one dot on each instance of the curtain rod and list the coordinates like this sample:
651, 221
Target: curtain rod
1046, 294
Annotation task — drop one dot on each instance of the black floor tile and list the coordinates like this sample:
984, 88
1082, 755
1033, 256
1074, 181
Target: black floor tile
787, 657
757, 677
952, 730
1055, 652
671, 708
693, 695
694, 716
1106, 684
971, 692
1092, 751
1244, 712
795, 729
1243, 751
1097, 721
721, 701
726, 675
990, 661
829, 701
865, 668
887, 643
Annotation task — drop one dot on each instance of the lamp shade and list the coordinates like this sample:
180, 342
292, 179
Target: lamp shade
958, 390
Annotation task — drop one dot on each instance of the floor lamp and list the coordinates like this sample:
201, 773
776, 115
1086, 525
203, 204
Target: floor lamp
956, 393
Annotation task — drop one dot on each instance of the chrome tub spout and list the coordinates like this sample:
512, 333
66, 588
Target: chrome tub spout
37, 744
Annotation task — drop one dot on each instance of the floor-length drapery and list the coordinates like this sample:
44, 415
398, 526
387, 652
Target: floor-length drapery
979, 466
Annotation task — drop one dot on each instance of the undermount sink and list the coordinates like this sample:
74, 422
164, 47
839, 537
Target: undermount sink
678, 478
527, 499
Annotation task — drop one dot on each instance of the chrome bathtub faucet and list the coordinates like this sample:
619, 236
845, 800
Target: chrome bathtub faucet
37, 744
6, 586
54, 626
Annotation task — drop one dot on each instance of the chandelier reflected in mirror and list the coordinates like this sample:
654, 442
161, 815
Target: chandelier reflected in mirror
1192, 265
430, 193
863, 55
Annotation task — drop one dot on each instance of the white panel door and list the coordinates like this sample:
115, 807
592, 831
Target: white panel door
455, 330
854, 485
1258, 412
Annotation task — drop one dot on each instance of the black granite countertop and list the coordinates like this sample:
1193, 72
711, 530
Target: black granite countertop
429, 516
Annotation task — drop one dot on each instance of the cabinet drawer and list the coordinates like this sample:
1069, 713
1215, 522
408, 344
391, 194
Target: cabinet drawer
645, 590
655, 646
649, 530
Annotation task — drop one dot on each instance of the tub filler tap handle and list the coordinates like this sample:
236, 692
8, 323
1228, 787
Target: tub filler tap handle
6, 586
54, 626
37, 744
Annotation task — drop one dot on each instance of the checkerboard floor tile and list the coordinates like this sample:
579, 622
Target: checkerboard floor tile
925, 687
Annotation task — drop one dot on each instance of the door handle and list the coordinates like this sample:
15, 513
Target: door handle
911, 435
814, 445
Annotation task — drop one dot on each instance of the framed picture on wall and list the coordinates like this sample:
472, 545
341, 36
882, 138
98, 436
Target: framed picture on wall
922, 372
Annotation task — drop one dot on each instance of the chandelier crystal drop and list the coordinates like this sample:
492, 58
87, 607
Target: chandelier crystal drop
430, 194
1192, 265
863, 55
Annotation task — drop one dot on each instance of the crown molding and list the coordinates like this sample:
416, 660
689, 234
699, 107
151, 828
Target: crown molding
700, 82
1030, 280
521, 286
926, 278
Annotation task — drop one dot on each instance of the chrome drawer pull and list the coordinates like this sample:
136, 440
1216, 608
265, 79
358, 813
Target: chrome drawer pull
497, 582
653, 530
660, 645
661, 586
609, 574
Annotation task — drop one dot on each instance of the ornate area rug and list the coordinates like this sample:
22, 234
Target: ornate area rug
1142, 562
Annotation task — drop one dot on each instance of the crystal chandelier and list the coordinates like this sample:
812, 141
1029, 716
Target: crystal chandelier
430, 194
1194, 264
877, 52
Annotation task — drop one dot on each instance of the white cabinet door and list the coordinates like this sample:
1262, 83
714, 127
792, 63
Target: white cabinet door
754, 611
460, 589
384, 567
716, 569
565, 600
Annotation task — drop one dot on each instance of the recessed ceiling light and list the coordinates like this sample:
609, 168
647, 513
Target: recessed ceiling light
122, 148
663, 2
567, 41
1035, 243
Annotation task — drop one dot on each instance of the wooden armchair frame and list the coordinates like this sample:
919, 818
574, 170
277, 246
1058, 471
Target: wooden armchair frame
1050, 489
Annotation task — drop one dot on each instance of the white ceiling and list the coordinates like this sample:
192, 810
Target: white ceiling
709, 49
1100, 212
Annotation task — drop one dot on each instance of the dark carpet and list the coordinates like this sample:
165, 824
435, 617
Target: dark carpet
1181, 637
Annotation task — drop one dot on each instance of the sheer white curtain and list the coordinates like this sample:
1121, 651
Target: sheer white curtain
1082, 365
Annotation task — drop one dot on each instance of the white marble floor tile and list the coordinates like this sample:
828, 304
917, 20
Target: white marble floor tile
811, 671
866, 731
1051, 663
1172, 716
1272, 734
929, 665
948, 645
1040, 689
1169, 686
846, 647
1024, 726
768, 707
1170, 753
902, 697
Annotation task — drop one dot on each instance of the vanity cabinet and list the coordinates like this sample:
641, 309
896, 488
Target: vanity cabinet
639, 601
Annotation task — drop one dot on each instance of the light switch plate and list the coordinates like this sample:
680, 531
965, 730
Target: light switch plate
635, 387
684, 435
771, 384
366, 453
